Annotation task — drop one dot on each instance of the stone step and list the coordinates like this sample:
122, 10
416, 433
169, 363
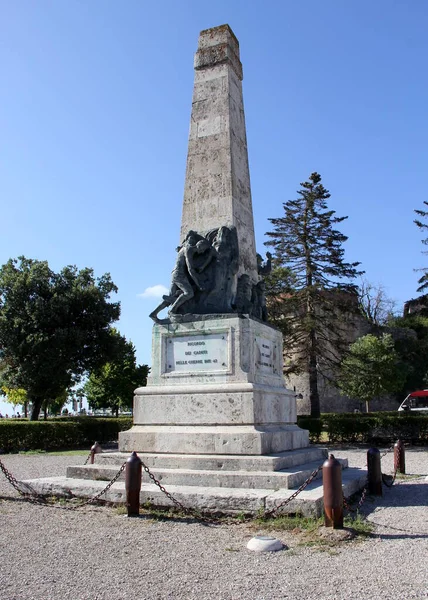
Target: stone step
220, 462
211, 499
285, 479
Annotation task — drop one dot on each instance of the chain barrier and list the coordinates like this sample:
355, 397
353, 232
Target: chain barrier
390, 449
88, 458
17, 486
275, 509
34, 498
191, 512
104, 491
346, 502
385, 478
201, 517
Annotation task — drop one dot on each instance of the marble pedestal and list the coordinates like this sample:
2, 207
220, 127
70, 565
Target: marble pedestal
219, 435
216, 387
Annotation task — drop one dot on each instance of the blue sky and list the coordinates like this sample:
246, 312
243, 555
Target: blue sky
95, 108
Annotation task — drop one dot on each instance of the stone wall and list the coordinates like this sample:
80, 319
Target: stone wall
331, 400
353, 327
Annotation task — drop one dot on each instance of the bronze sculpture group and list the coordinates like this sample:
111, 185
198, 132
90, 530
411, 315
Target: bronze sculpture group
204, 279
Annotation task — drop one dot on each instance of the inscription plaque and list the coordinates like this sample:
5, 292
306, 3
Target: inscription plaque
265, 356
192, 353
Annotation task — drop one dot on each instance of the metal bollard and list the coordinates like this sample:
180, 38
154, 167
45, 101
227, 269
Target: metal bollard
133, 484
374, 472
96, 449
333, 494
399, 457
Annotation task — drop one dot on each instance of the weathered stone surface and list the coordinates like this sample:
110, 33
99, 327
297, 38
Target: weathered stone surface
238, 350
214, 499
216, 387
217, 189
229, 439
216, 462
290, 478
215, 406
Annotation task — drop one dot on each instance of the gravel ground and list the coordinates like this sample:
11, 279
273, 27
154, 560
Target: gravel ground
100, 554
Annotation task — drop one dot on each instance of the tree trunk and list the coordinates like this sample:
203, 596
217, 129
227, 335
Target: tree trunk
45, 409
314, 397
367, 405
36, 406
25, 409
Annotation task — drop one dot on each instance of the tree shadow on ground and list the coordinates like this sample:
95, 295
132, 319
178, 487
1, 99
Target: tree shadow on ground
401, 495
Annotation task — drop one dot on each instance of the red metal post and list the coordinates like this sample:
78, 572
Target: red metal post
374, 472
96, 449
399, 457
133, 484
333, 494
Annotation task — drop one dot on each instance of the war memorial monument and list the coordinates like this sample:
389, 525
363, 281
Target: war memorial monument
215, 424
216, 384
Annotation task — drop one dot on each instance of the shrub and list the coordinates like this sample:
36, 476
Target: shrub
78, 432
369, 428
313, 425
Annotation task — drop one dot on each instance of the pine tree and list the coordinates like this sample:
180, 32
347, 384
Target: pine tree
423, 281
305, 242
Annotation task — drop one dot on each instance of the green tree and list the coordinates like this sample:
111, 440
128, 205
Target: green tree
372, 368
55, 406
411, 344
112, 386
16, 397
19, 397
278, 286
423, 214
54, 327
305, 242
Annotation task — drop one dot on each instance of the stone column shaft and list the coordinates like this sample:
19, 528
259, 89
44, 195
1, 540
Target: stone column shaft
217, 189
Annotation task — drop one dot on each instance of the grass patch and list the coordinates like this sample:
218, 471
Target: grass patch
307, 527
289, 523
361, 526
407, 477
56, 452
121, 510
162, 514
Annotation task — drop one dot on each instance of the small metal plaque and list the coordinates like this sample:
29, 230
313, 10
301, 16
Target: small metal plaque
193, 353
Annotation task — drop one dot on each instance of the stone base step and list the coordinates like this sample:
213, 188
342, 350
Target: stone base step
212, 499
219, 462
290, 478
229, 439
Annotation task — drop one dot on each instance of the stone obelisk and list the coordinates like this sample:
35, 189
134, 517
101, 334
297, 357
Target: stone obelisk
217, 189
216, 385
